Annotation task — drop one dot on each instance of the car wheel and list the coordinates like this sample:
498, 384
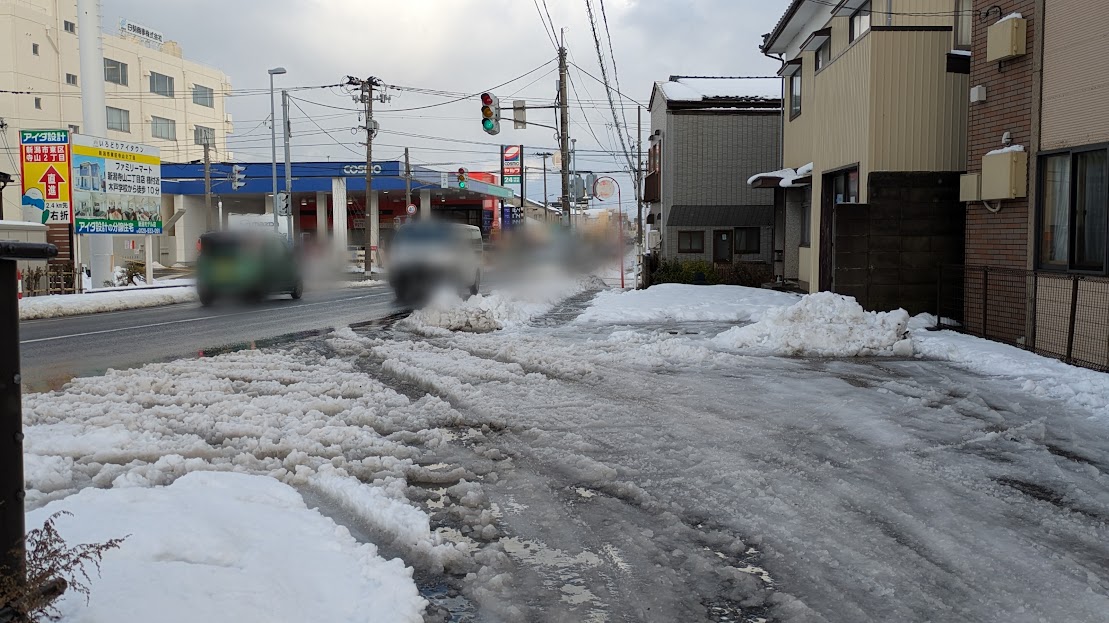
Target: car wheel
476, 287
298, 290
206, 296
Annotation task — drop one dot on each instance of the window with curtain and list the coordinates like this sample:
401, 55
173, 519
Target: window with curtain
1055, 211
1073, 222
1089, 211
964, 24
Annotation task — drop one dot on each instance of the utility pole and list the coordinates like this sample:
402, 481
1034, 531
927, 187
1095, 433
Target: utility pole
208, 185
639, 234
564, 130
523, 185
407, 180
371, 227
288, 130
370, 223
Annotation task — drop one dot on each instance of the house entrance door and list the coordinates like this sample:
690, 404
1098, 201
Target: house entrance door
722, 246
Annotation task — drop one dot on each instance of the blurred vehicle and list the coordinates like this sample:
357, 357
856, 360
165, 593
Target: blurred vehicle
247, 265
429, 255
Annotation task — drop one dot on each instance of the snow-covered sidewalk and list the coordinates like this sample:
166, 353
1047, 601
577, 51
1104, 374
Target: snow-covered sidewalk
59, 305
226, 547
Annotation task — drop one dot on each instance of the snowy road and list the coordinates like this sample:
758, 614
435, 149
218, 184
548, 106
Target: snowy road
57, 349
573, 468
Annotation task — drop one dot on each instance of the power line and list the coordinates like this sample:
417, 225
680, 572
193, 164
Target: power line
547, 30
337, 141
608, 89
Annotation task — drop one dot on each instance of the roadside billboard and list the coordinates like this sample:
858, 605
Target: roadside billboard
117, 187
44, 171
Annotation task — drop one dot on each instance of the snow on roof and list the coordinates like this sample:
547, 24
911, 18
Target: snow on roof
1010, 16
786, 176
1005, 150
683, 89
961, 52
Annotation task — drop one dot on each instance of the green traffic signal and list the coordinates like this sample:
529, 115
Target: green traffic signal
487, 124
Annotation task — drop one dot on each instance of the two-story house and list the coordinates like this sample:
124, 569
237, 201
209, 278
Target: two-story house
708, 135
874, 142
1037, 187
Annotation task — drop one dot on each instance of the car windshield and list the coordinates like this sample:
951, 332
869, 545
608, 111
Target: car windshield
425, 233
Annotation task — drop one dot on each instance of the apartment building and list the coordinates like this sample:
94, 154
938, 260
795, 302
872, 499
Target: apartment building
708, 135
1037, 186
153, 95
874, 142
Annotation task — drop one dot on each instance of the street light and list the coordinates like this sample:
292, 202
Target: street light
273, 143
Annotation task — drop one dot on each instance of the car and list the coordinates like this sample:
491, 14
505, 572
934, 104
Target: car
429, 255
246, 265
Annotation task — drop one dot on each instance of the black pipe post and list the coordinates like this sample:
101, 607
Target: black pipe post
12, 526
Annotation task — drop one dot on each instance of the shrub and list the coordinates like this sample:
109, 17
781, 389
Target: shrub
750, 274
52, 566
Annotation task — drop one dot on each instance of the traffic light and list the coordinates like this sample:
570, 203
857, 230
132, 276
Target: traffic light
461, 177
238, 177
283, 204
490, 113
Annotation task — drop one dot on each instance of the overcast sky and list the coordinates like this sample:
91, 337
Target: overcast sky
457, 46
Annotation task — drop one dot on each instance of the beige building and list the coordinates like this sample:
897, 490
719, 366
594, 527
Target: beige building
874, 140
152, 95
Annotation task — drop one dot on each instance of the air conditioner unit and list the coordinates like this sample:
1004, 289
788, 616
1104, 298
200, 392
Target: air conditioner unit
654, 239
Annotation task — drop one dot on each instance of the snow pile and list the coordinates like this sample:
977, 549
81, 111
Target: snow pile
512, 306
90, 303
1036, 374
227, 547
823, 325
294, 417
675, 302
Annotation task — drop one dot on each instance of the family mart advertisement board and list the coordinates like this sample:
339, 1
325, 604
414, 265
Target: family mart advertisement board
117, 187
44, 170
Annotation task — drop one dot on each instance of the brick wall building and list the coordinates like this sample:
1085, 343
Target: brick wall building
1001, 239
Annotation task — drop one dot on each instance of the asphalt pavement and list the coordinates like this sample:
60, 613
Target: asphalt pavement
55, 350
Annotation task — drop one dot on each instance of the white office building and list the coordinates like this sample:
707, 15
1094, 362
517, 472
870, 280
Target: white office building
153, 95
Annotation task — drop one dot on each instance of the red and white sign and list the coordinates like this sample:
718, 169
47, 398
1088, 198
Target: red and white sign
512, 153
411, 208
604, 188
511, 170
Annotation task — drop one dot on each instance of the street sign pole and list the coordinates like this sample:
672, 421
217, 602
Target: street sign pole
12, 494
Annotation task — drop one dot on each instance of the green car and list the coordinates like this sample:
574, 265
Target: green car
246, 265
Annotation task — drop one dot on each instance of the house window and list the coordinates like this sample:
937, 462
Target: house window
38, 103
35, 49
115, 72
75, 129
1073, 223
204, 136
71, 79
70, 27
823, 55
795, 94
691, 242
160, 84
748, 240
119, 119
964, 23
860, 21
204, 96
163, 128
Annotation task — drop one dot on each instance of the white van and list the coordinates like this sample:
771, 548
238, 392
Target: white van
426, 255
